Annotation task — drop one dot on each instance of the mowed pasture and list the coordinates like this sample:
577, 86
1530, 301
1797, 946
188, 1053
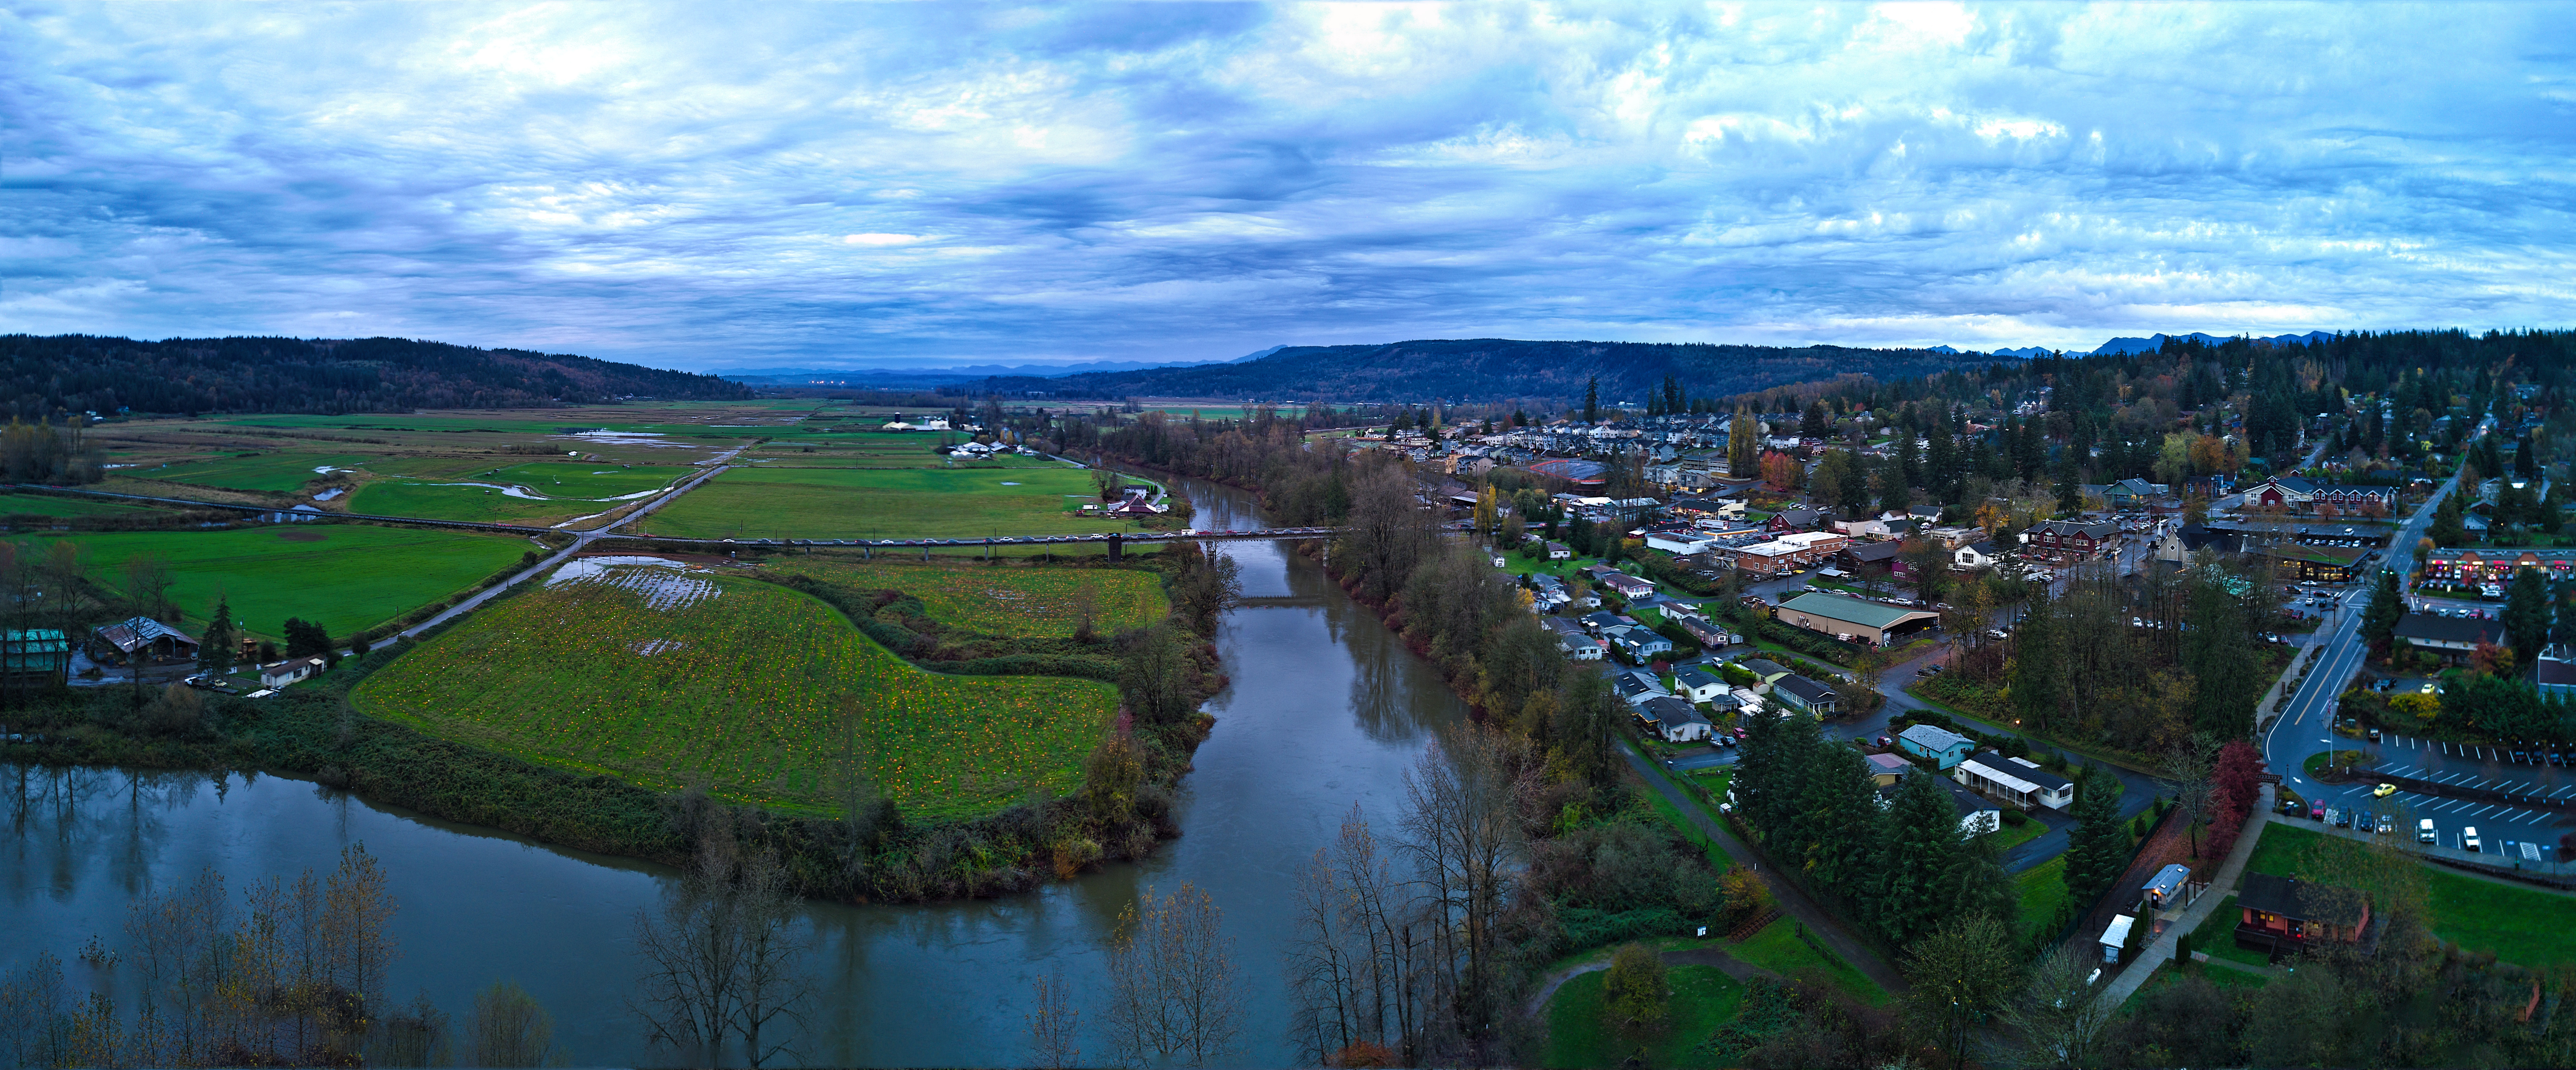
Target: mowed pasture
861, 503
1007, 600
54, 505
444, 489
344, 576
655, 676
282, 472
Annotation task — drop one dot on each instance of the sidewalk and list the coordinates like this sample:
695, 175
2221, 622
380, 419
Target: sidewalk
2161, 950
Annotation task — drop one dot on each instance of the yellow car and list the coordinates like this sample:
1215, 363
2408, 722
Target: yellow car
2383, 791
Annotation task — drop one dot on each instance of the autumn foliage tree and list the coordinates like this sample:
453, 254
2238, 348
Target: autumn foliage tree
2235, 786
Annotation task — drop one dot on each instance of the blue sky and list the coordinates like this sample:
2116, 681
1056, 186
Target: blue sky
837, 185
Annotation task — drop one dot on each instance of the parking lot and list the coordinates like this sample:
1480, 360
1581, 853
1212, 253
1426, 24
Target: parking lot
2515, 832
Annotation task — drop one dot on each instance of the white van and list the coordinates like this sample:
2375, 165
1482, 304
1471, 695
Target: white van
2469, 839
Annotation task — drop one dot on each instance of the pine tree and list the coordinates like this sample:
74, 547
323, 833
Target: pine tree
1592, 400
2526, 615
1917, 849
2039, 685
2387, 607
2095, 846
216, 648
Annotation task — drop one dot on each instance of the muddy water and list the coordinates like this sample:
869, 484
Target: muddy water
1325, 709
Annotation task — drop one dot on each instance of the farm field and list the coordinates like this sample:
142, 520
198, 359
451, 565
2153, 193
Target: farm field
1703, 998
854, 503
653, 674
345, 576
433, 501
1014, 600
441, 489
281, 472
61, 506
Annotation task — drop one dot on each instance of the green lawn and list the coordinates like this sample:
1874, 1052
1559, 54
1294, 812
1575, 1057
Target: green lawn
2043, 891
279, 472
2008, 836
346, 576
2520, 925
1019, 600
860, 503
2278, 851
434, 501
1578, 1037
2216, 936
1777, 948
655, 675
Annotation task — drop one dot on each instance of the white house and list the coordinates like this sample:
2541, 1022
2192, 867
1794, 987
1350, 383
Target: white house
1674, 720
1975, 555
286, 672
1698, 684
2016, 782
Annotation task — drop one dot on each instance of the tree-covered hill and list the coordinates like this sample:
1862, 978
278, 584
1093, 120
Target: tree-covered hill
1491, 369
43, 376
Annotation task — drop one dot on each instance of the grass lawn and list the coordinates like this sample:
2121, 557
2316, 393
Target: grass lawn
2278, 851
2522, 926
1578, 1038
2043, 891
280, 472
1777, 948
2215, 936
652, 674
2008, 836
859, 503
345, 576
1016, 600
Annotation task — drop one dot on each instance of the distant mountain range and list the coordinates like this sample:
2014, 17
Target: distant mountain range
917, 377
1489, 369
2153, 342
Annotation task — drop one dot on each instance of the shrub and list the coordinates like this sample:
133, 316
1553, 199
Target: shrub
2016, 818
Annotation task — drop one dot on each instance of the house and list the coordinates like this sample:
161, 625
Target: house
1975, 555
2317, 564
1882, 554
1708, 636
1557, 551
1636, 686
1952, 538
154, 640
1604, 620
1627, 586
1765, 673
280, 674
2071, 539
1640, 644
1698, 684
2285, 914
1946, 748
1806, 696
1794, 520
2016, 782
1673, 720
2451, 637
1853, 619
2281, 492
35, 654
1886, 769
2132, 492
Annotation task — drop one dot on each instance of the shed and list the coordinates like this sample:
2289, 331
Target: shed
1886, 769
2116, 937
2170, 888
153, 638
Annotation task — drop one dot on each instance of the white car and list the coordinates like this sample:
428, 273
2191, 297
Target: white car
2469, 839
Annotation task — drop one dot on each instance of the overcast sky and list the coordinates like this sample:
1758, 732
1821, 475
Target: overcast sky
842, 185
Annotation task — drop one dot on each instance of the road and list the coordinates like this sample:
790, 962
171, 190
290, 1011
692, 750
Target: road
2305, 728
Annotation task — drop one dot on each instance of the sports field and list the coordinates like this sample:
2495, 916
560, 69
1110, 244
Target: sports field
863, 503
653, 674
1009, 600
345, 576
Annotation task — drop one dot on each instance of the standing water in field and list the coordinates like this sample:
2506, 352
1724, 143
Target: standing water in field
1325, 709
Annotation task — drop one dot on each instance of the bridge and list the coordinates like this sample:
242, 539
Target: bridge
1117, 541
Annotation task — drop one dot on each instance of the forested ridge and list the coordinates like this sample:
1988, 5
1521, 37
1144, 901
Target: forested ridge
1491, 369
41, 377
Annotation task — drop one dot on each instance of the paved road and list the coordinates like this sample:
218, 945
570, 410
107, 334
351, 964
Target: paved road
1792, 901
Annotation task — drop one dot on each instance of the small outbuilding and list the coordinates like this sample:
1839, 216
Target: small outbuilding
153, 640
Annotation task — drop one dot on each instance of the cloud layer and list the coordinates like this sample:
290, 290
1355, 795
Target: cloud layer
707, 186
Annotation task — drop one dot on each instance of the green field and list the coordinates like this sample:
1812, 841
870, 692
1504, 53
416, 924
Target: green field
1777, 948
752, 685
346, 576
862, 503
398, 497
61, 506
281, 472
1704, 997
1007, 600
437, 489
2043, 891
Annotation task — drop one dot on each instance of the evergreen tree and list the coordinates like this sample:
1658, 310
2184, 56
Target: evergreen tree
1816, 422
1592, 400
1841, 808
2562, 630
1917, 849
2218, 653
217, 648
2526, 615
2387, 607
2447, 528
2097, 845
2039, 684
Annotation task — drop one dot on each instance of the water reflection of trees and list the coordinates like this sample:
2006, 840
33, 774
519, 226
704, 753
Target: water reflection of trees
62, 820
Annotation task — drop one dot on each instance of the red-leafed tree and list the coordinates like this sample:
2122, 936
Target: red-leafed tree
2235, 785
1782, 471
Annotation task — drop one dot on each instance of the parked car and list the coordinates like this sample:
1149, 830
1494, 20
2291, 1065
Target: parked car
2387, 824
2374, 735
2469, 839
2336, 816
2424, 831
2317, 810
2383, 791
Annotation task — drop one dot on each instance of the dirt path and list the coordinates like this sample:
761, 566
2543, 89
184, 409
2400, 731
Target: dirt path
1688, 956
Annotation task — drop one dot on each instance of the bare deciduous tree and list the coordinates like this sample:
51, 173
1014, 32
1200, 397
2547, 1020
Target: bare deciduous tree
1172, 981
1465, 838
722, 956
1052, 1021
508, 1027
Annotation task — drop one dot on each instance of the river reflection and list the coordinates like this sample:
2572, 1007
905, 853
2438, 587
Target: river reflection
1324, 709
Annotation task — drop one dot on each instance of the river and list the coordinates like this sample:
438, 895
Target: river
1325, 709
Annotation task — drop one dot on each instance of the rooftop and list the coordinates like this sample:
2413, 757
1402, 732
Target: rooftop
1843, 607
